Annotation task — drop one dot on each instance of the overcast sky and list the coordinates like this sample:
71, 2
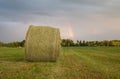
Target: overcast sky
77, 19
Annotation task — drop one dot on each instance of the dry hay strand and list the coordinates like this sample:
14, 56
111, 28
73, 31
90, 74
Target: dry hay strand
42, 43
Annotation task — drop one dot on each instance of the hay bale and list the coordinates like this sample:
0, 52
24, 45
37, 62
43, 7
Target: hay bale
42, 43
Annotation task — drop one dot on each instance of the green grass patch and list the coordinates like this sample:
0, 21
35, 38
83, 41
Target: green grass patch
73, 63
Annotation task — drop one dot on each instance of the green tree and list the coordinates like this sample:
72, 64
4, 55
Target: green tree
22, 43
1, 44
77, 44
80, 43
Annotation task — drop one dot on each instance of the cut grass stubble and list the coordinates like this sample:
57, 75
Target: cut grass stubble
73, 63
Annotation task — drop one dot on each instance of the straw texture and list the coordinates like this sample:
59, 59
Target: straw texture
42, 43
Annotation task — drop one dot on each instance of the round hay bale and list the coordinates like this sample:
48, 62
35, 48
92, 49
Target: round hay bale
42, 43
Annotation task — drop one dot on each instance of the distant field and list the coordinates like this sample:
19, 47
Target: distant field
73, 63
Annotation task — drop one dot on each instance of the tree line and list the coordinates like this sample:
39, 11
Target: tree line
13, 44
69, 43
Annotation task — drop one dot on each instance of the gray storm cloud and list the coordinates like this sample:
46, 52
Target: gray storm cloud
77, 19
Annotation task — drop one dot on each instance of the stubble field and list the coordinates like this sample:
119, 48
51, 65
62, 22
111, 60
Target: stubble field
73, 63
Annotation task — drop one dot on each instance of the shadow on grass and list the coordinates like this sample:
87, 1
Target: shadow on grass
20, 59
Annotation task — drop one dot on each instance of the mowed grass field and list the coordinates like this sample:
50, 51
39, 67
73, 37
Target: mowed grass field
73, 63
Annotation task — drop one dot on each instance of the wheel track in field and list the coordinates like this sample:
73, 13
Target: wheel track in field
96, 65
